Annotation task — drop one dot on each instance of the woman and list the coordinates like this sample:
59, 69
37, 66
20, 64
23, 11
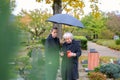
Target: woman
70, 54
52, 47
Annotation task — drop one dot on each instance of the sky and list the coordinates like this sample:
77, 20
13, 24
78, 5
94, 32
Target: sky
104, 5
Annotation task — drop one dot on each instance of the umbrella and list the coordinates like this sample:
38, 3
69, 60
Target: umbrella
65, 19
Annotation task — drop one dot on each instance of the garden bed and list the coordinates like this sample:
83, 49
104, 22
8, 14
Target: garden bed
96, 73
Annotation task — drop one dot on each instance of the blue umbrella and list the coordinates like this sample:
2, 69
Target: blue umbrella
65, 19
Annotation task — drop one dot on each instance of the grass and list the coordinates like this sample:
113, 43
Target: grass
106, 59
109, 43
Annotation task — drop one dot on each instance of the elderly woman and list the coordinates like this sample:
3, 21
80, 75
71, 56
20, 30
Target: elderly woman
70, 54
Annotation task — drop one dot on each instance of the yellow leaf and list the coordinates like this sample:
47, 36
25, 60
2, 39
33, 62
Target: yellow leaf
81, 4
25, 19
97, 14
64, 0
48, 1
38, 0
92, 0
67, 10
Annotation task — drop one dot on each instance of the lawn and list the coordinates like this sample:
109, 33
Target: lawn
109, 43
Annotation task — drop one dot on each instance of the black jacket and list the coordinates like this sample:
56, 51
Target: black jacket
52, 45
70, 65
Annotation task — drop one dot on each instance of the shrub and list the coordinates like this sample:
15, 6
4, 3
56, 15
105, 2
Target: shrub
83, 41
117, 41
96, 76
42, 41
22, 64
109, 43
111, 70
85, 65
97, 69
106, 34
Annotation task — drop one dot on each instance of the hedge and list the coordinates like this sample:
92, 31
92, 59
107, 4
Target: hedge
83, 41
117, 41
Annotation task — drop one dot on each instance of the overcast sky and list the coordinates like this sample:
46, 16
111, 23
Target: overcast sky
104, 5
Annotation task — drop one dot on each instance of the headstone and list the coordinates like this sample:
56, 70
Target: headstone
116, 37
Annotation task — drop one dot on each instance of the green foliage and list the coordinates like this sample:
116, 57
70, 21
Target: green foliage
42, 41
94, 26
111, 70
33, 22
80, 37
85, 65
22, 65
96, 76
106, 34
113, 22
109, 43
31, 66
29, 53
117, 41
83, 41
97, 69
106, 59
22, 62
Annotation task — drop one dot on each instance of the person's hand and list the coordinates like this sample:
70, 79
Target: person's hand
74, 54
61, 54
70, 54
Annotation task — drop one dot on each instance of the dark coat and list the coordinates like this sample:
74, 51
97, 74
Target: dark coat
52, 47
70, 65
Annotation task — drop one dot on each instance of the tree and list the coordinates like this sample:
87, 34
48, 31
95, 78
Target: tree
75, 6
94, 25
57, 9
113, 22
33, 22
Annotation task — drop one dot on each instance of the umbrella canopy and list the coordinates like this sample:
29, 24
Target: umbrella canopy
65, 19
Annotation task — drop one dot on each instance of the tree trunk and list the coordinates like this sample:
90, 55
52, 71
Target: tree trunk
57, 9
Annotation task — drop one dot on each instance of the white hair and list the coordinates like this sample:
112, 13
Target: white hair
68, 35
